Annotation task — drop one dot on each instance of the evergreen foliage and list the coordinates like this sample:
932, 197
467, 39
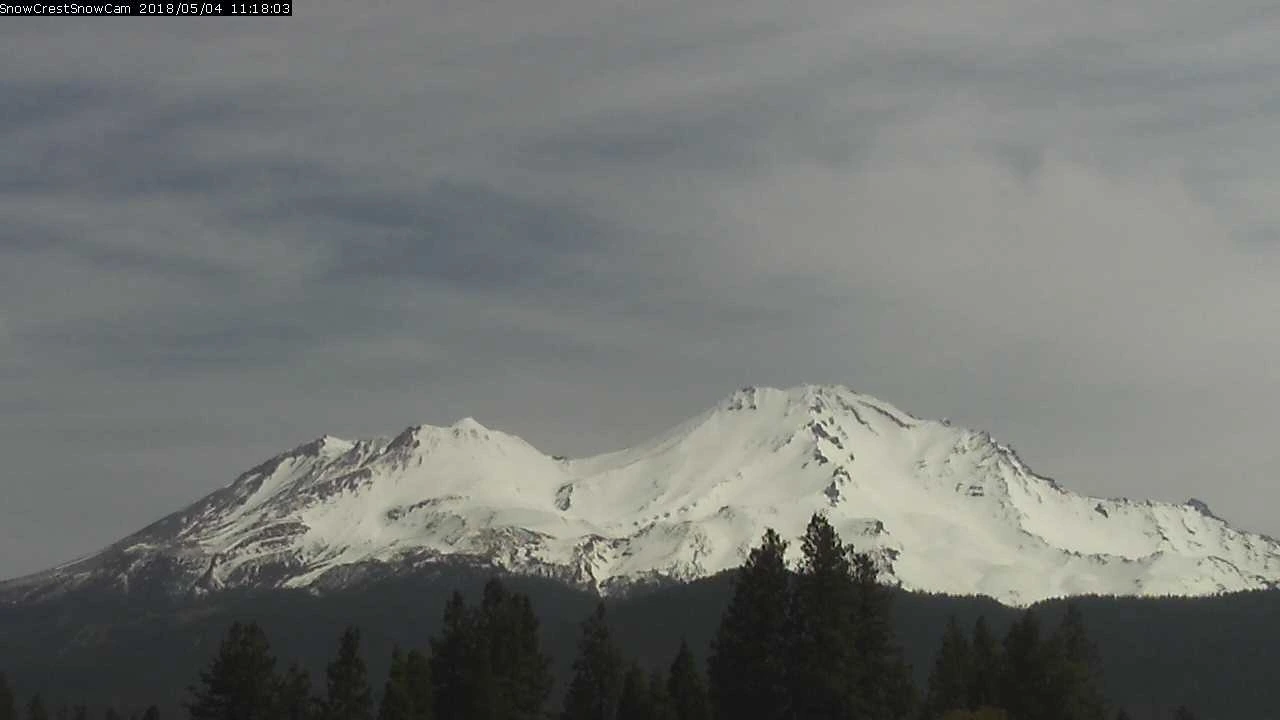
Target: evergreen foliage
520, 674
349, 696
240, 683
1076, 672
396, 703
596, 684
660, 698
636, 700
487, 664
951, 676
418, 683
488, 661
747, 668
883, 686
1025, 690
685, 686
987, 667
823, 669
293, 695
457, 689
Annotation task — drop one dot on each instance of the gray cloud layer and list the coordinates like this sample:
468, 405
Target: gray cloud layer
583, 221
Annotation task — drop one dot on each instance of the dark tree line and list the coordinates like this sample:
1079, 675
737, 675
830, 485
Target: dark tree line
36, 709
1030, 676
815, 643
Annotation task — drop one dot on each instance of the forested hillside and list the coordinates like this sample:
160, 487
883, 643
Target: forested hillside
829, 624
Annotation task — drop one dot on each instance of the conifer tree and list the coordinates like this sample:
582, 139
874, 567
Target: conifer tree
80, 712
685, 686
987, 668
884, 690
293, 695
453, 658
660, 699
36, 709
418, 683
349, 696
240, 682
396, 703
597, 673
1025, 689
151, 713
824, 670
1123, 714
747, 668
1183, 713
8, 703
1076, 677
636, 701
949, 680
112, 714
519, 673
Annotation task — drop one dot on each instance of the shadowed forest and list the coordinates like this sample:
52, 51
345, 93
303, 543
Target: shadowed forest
817, 642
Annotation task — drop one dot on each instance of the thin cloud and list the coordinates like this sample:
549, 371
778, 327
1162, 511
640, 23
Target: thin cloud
584, 221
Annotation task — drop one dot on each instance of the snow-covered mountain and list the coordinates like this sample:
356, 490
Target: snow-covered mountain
942, 508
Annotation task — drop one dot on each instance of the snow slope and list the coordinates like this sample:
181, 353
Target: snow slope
942, 508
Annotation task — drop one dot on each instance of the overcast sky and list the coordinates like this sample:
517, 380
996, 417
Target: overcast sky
581, 221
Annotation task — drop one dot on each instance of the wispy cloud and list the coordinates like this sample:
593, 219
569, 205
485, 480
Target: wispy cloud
582, 221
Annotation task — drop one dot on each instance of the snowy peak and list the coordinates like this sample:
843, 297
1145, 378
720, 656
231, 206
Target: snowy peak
941, 508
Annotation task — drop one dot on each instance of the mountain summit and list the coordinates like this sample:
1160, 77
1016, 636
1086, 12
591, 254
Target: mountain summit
941, 508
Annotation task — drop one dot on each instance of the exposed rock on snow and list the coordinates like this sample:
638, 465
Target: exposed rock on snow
942, 508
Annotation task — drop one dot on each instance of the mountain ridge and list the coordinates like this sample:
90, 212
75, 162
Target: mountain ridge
941, 508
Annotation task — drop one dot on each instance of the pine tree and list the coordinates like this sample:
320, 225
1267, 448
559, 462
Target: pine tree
883, 689
396, 703
520, 675
659, 698
418, 682
8, 703
151, 713
80, 712
824, 671
597, 673
1183, 713
454, 655
36, 709
1075, 674
240, 683
987, 671
949, 680
636, 701
112, 714
349, 696
293, 695
747, 668
1123, 714
1025, 689
685, 686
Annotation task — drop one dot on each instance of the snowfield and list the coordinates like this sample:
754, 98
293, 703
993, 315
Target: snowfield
942, 508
